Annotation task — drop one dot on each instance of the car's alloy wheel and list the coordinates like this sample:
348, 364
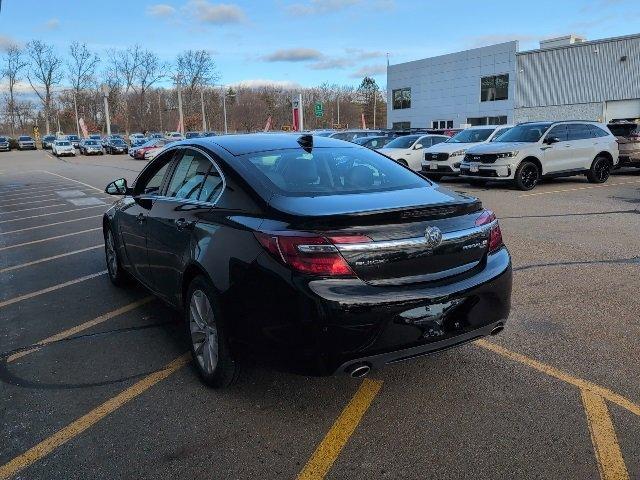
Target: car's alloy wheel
527, 176
117, 275
599, 171
209, 343
204, 333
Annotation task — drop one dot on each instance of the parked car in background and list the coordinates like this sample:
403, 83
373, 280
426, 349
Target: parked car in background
47, 141
74, 139
62, 148
5, 145
115, 145
373, 142
174, 136
154, 135
91, 147
140, 153
408, 149
535, 150
209, 134
446, 157
137, 138
25, 142
115, 136
351, 135
95, 136
351, 261
189, 135
322, 133
628, 137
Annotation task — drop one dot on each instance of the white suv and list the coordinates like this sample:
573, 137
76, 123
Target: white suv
530, 151
445, 158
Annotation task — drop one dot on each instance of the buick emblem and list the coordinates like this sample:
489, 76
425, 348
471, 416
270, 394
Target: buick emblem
433, 236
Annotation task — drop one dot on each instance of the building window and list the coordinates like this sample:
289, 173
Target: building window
401, 98
401, 125
500, 120
441, 124
495, 87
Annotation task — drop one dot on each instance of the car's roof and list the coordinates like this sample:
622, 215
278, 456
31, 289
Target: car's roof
260, 142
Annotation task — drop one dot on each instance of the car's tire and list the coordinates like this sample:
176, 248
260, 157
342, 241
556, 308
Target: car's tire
527, 176
402, 161
477, 183
118, 275
212, 357
600, 170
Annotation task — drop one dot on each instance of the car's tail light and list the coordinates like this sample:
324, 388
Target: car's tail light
311, 254
495, 235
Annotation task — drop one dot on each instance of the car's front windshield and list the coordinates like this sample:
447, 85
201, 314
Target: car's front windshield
24, 139
3, 139
471, 135
402, 142
63, 144
117, 141
91, 142
529, 133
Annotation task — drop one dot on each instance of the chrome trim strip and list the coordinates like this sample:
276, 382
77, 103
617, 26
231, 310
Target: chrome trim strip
417, 242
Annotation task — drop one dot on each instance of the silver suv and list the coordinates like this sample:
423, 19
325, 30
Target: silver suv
533, 150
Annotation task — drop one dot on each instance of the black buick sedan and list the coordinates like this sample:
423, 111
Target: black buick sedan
328, 254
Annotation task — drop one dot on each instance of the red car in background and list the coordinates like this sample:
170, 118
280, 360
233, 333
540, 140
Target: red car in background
153, 144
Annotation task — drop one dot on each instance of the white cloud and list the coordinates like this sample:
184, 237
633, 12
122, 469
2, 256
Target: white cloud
215, 13
6, 42
264, 82
293, 55
369, 71
160, 10
52, 24
313, 7
353, 57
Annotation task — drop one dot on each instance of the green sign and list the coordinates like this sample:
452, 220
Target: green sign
318, 109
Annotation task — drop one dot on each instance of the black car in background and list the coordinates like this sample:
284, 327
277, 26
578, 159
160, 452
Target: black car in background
327, 254
74, 140
47, 141
373, 142
5, 145
115, 145
108, 138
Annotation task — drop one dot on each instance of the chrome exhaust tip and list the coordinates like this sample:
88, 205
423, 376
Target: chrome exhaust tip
358, 370
497, 329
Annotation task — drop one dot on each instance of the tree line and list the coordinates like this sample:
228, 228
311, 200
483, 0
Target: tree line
52, 91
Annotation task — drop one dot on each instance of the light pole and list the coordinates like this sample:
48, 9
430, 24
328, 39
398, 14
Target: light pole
204, 120
160, 107
338, 103
178, 80
75, 107
105, 97
224, 107
375, 100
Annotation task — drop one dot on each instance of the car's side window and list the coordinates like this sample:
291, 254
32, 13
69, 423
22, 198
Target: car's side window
150, 181
578, 131
437, 140
212, 186
189, 175
559, 131
597, 131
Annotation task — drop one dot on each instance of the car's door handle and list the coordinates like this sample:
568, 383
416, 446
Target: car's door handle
182, 224
141, 218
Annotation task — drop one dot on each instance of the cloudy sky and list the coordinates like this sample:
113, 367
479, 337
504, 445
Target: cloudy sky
308, 42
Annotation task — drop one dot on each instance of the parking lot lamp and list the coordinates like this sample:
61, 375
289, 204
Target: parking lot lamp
225, 94
105, 97
181, 115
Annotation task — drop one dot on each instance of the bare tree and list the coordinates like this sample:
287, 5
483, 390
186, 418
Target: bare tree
151, 71
44, 73
126, 64
14, 63
196, 69
81, 68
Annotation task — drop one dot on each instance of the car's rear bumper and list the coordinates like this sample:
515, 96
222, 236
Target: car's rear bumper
325, 326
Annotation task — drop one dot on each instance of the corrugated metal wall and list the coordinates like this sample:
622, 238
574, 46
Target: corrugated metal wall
587, 73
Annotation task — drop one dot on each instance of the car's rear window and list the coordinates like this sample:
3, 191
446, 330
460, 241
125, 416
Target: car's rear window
328, 171
623, 129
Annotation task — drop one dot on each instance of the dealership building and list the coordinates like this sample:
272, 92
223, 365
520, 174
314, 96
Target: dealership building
567, 78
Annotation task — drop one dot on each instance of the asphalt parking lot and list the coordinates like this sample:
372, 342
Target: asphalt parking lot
95, 382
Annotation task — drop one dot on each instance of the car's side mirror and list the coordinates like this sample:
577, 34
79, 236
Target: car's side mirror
417, 146
551, 140
117, 187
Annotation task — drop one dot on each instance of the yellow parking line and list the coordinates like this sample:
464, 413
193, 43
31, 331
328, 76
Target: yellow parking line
74, 180
24, 244
560, 375
79, 328
334, 441
85, 422
53, 213
603, 436
53, 288
576, 189
49, 224
33, 208
47, 259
